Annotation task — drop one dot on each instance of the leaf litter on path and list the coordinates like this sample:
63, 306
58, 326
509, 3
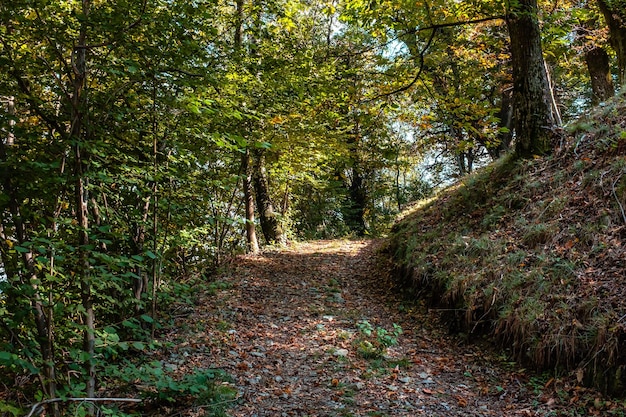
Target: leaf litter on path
284, 326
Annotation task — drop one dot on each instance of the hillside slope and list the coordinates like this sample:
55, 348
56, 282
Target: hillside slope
532, 253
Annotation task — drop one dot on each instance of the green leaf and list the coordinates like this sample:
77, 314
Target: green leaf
131, 324
147, 318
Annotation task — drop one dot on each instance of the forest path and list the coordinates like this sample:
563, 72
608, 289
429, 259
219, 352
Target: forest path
284, 326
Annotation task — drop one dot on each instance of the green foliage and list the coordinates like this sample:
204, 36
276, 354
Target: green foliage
154, 382
10, 410
374, 342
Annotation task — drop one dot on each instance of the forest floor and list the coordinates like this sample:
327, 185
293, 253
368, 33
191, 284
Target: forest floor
290, 328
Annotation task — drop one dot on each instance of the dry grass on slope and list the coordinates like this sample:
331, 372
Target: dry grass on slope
532, 252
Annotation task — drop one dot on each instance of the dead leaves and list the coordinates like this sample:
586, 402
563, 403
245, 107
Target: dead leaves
280, 330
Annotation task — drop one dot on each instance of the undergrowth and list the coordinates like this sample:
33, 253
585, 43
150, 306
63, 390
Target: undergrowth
530, 252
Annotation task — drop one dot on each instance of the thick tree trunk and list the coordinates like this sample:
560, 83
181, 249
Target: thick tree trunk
600, 73
270, 225
614, 12
251, 239
531, 93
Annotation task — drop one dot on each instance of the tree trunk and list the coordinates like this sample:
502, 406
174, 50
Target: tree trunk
355, 215
614, 12
600, 73
10, 138
238, 37
531, 93
505, 115
43, 322
358, 202
252, 242
79, 135
270, 225
251, 239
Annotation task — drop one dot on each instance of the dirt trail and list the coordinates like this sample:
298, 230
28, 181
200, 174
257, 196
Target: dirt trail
285, 327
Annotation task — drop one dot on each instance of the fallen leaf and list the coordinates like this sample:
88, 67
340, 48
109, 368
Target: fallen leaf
550, 382
580, 374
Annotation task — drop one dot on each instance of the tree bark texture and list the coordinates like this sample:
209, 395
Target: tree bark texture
531, 95
270, 225
358, 203
614, 12
600, 73
355, 213
238, 37
79, 115
251, 239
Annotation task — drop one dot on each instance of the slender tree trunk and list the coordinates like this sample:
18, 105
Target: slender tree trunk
355, 215
139, 282
27, 276
79, 135
600, 73
252, 242
43, 322
614, 12
238, 25
251, 239
156, 262
270, 225
358, 202
10, 138
531, 93
399, 196
505, 116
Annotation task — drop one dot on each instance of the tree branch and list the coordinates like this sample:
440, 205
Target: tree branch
36, 406
452, 24
417, 76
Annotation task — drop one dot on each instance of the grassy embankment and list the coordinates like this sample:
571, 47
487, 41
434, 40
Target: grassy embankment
533, 253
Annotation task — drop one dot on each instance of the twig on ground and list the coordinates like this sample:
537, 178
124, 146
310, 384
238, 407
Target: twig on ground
38, 405
619, 203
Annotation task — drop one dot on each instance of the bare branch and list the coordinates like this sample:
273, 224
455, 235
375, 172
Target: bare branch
36, 406
180, 71
417, 76
453, 24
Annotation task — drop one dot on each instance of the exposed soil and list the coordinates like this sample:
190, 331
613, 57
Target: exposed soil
284, 326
